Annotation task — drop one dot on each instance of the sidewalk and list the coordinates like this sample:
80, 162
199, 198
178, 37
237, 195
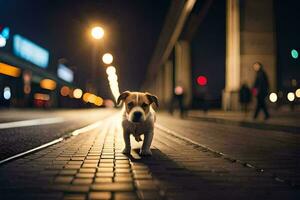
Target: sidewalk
91, 166
281, 120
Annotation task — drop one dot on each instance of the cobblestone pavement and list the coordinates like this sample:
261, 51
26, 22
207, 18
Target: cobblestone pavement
91, 166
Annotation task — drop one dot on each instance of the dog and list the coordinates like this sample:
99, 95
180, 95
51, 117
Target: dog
138, 119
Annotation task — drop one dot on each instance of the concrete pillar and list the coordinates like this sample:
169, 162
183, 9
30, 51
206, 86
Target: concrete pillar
258, 40
183, 75
168, 83
250, 39
232, 78
159, 84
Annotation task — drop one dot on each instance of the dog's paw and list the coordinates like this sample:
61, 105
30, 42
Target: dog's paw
145, 152
126, 151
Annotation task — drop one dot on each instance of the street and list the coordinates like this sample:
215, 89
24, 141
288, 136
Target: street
192, 159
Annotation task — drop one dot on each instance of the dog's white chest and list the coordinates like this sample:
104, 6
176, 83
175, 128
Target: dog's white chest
137, 129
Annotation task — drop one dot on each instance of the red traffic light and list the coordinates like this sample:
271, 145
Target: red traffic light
202, 80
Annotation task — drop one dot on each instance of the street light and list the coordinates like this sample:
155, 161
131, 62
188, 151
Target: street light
97, 32
107, 58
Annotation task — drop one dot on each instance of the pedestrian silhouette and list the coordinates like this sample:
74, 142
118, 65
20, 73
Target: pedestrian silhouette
178, 99
260, 90
244, 97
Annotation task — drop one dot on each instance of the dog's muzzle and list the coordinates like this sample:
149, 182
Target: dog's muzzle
137, 115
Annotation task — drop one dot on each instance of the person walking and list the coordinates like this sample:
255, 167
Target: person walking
178, 98
260, 90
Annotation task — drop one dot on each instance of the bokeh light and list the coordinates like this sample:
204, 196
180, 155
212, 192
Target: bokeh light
109, 103
273, 97
86, 97
98, 101
107, 58
97, 32
77, 93
7, 93
202, 80
291, 96
110, 70
64, 91
297, 93
48, 84
2, 41
294, 53
178, 90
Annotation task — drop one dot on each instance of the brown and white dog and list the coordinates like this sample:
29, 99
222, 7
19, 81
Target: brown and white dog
138, 119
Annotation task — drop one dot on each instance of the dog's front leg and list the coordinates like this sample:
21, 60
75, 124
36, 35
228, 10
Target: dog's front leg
145, 151
126, 136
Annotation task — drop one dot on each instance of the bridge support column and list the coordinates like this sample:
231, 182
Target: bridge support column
168, 83
183, 69
250, 39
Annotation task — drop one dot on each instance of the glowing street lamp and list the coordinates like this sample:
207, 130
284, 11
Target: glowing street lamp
97, 32
107, 58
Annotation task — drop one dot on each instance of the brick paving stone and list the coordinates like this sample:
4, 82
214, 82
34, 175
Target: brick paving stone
87, 170
82, 181
103, 165
85, 175
103, 180
72, 166
126, 166
104, 174
100, 195
105, 169
74, 197
63, 179
123, 179
125, 196
123, 174
113, 187
78, 188
89, 165
122, 170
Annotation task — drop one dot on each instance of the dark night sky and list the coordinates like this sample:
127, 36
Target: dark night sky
132, 28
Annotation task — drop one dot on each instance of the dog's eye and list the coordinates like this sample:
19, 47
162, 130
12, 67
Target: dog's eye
130, 104
144, 105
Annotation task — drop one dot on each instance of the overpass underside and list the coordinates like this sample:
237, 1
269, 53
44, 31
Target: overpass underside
250, 37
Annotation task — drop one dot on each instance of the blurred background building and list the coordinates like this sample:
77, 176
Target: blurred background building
205, 51
208, 48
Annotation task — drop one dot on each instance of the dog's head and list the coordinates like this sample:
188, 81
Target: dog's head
137, 105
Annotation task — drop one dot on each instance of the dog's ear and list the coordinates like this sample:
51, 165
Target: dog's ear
152, 98
122, 97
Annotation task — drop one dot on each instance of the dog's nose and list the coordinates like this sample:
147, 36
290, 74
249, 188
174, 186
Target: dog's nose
137, 116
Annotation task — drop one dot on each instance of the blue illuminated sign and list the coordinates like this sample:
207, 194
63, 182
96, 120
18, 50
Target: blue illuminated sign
5, 33
30, 51
65, 73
